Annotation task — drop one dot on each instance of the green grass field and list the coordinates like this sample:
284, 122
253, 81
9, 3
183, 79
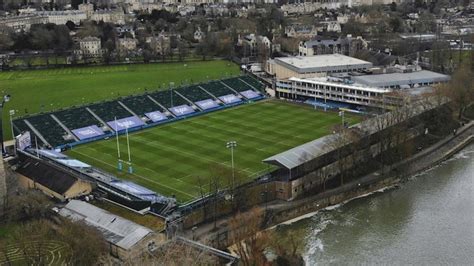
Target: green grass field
59, 88
175, 158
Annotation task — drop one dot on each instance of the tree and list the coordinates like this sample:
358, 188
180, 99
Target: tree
182, 50
461, 88
6, 41
86, 249
27, 205
245, 230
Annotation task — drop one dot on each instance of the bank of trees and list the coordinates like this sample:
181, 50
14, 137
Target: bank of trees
40, 37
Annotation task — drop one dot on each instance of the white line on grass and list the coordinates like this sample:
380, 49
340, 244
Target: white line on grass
142, 177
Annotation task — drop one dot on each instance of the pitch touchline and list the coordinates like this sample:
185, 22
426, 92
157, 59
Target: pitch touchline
142, 177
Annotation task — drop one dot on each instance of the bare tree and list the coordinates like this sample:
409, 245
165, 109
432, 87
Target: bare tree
461, 88
248, 238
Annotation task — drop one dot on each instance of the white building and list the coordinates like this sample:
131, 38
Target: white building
323, 88
90, 47
198, 34
62, 17
22, 22
314, 66
86, 8
115, 16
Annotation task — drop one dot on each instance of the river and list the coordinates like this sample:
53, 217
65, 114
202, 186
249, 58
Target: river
427, 220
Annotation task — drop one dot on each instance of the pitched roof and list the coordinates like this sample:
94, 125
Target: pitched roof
48, 176
115, 229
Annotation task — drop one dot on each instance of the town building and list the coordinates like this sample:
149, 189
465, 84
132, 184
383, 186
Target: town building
86, 8
302, 31
313, 66
125, 45
115, 16
198, 34
160, 44
90, 47
332, 45
62, 17
22, 22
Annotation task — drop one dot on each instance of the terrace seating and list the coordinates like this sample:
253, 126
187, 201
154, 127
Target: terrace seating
108, 111
49, 129
237, 84
165, 99
194, 93
217, 88
20, 126
254, 82
77, 118
141, 105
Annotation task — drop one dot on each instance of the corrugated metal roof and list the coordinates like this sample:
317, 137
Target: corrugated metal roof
301, 154
117, 230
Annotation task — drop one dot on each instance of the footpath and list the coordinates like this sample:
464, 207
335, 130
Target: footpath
421, 161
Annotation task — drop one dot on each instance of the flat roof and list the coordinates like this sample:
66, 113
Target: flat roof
394, 79
321, 63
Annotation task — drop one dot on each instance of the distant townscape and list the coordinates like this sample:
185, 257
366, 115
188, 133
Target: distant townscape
185, 132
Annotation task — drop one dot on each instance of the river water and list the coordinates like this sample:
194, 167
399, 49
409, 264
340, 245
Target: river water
428, 220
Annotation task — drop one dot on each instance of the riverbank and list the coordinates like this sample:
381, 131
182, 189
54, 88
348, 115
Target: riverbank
423, 221
278, 212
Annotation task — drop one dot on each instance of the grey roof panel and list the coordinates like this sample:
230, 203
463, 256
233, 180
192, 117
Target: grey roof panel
393, 79
116, 230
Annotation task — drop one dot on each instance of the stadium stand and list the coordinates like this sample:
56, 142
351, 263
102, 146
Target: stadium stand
141, 105
77, 118
237, 84
253, 82
49, 129
109, 111
80, 117
20, 126
194, 93
165, 99
217, 89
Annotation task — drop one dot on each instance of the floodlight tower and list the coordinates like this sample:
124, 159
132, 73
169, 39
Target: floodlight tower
231, 145
3, 175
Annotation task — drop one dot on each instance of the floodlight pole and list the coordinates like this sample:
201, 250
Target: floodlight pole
12, 113
5, 99
231, 145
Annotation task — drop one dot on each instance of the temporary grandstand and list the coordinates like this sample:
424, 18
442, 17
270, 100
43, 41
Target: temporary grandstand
66, 128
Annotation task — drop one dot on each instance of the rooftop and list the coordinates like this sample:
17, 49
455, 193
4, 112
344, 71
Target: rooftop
393, 79
321, 62
116, 230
